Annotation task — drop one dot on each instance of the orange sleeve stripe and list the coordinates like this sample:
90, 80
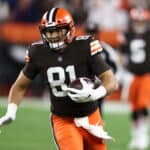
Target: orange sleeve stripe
95, 46
96, 50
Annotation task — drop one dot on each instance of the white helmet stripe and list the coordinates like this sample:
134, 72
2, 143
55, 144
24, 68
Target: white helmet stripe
50, 19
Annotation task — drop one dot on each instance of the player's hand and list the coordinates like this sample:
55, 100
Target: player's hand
10, 114
6, 119
87, 93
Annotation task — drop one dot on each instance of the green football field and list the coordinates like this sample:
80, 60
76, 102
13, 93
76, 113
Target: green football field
31, 130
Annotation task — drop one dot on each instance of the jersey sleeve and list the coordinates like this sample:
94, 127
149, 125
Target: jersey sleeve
111, 56
30, 69
97, 64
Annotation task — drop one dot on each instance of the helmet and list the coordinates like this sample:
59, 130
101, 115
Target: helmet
139, 19
57, 21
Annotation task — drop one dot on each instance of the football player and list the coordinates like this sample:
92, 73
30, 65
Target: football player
137, 49
61, 58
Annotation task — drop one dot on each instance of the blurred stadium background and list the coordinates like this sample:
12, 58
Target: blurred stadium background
19, 21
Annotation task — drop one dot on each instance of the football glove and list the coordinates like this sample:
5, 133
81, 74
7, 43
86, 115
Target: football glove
10, 114
87, 93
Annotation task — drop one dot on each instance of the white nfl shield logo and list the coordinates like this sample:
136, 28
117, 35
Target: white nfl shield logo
60, 59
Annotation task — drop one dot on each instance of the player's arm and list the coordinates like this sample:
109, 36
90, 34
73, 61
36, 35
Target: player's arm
102, 70
88, 93
16, 95
18, 89
108, 85
108, 81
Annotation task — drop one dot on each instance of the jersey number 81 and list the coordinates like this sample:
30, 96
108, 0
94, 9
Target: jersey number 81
60, 72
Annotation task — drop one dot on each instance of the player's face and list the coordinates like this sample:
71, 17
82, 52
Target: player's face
56, 38
56, 35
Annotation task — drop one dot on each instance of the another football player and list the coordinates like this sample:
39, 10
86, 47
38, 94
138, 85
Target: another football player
137, 49
61, 58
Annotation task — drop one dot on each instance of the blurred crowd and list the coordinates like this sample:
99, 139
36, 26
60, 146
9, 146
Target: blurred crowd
19, 21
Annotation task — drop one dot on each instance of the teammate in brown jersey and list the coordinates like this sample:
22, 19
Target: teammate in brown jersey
137, 50
62, 58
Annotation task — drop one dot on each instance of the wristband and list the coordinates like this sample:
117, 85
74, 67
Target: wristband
11, 110
100, 92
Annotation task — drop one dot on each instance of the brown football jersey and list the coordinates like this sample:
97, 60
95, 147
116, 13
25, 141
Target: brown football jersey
138, 52
81, 58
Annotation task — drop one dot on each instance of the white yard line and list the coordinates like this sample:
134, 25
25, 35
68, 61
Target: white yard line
36, 103
116, 107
